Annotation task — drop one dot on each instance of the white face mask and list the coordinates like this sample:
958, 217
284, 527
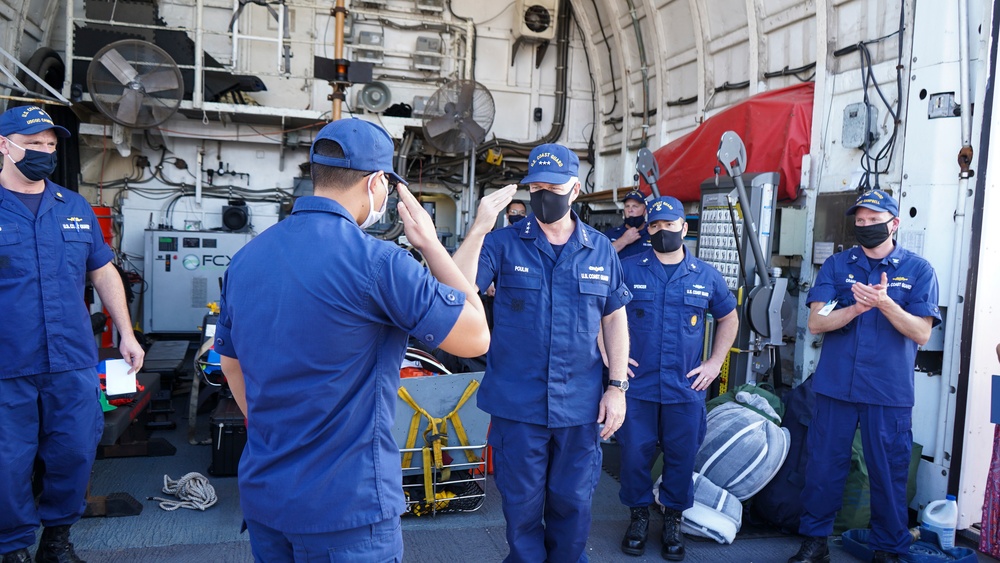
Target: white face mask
374, 216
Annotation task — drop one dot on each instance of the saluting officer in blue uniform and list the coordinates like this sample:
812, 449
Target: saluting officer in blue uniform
671, 293
632, 236
875, 304
558, 284
50, 243
312, 329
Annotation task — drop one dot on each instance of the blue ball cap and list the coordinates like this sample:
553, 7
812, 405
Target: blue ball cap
636, 195
551, 164
28, 120
367, 147
876, 200
665, 208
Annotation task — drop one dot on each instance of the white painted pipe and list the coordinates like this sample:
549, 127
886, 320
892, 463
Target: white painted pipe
953, 329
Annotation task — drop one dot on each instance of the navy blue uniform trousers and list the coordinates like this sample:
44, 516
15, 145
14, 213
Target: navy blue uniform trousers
679, 429
887, 439
546, 474
381, 542
56, 416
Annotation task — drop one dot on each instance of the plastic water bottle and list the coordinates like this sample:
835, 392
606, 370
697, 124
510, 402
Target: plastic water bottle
941, 517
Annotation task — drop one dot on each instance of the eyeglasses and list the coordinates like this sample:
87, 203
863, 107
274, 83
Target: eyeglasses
390, 182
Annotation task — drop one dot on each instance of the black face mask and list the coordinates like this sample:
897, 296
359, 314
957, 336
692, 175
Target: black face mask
666, 241
549, 206
514, 218
635, 222
36, 165
870, 236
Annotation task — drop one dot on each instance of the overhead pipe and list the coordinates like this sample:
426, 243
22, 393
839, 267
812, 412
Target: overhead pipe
338, 95
644, 70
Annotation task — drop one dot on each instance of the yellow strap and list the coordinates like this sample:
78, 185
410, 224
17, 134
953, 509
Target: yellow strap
433, 454
411, 436
456, 421
428, 477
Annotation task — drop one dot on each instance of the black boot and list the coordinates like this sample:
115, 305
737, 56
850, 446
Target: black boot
634, 542
813, 550
55, 547
673, 539
18, 556
885, 557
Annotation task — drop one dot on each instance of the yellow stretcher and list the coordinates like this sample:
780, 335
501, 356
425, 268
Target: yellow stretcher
442, 438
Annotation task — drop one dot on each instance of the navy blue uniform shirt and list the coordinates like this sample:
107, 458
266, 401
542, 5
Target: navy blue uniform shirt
318, 312
867, 360
543, 366
637, 247
44, 260
666, 324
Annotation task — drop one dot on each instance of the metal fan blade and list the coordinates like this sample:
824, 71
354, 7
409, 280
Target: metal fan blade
159, 81
161, 113
128, 107
472, 130
465, 97
118, 66
441, 125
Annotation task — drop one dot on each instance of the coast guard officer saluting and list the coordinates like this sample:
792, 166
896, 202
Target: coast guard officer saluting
671, 292
558, 282
312, 328
875, 304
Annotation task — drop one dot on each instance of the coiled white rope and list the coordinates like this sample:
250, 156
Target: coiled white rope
193, 490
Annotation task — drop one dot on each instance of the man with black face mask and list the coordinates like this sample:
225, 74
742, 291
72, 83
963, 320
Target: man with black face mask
671, 292
558, 284
50, 243
875, 304
632, 236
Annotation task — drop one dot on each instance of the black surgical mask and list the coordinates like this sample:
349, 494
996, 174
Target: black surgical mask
635, 222
514, 218
36, 165
666, 241
870, 236
549, 206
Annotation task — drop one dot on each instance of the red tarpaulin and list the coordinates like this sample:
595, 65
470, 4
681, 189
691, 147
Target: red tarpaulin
775, 126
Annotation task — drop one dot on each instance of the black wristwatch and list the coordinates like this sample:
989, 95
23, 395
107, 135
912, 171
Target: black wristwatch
619, 383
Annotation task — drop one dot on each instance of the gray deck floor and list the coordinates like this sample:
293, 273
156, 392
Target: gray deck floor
214, 535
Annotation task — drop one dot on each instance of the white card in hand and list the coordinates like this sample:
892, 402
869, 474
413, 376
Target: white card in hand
119, 380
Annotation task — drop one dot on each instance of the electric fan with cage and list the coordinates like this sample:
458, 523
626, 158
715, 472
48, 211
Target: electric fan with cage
458, 116
135, 83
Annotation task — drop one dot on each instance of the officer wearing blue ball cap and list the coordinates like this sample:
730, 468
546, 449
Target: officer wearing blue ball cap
874, 304
558, 282
632, 236
313, 324
672, 293
51, 246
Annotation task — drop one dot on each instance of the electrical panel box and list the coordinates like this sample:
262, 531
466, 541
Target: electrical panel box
430, 5
183, 273
724, 243
427, 55
791, 230
419, 106
860, 125
369, 47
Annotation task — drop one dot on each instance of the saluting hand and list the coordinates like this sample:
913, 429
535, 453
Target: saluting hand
417, 224
490, 206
